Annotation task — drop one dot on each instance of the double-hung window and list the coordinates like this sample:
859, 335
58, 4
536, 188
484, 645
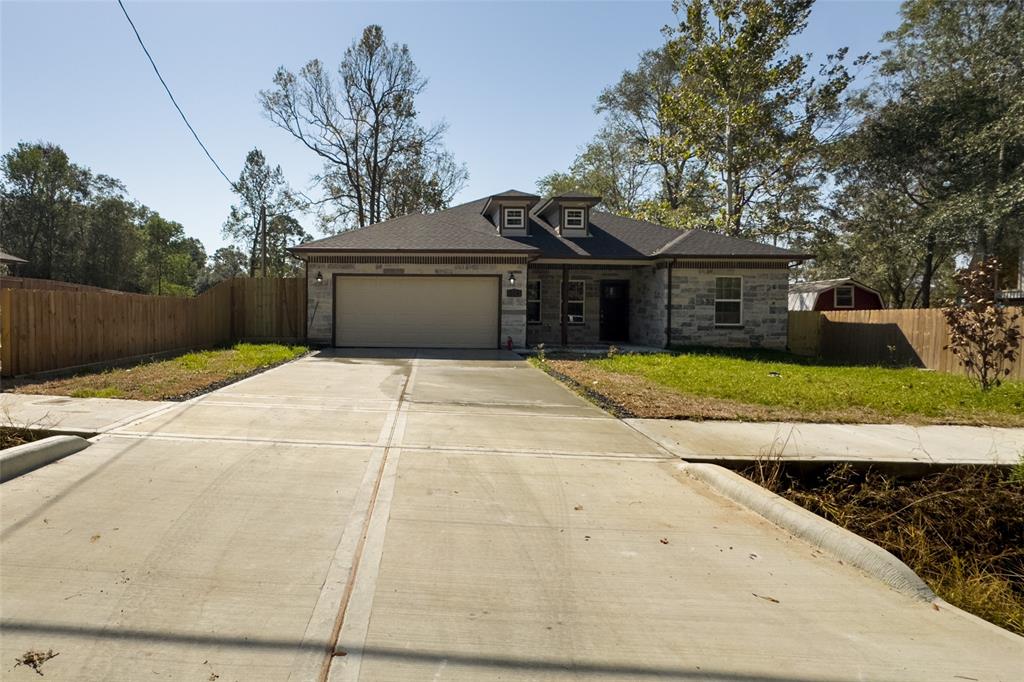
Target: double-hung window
728, 301
574, 218
513, 219
575, 301
533, 289
844, 297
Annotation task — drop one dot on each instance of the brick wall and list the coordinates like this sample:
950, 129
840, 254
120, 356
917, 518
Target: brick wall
765, 314
320, 300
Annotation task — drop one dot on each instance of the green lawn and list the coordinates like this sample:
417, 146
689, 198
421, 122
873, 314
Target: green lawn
176, 378
796, 384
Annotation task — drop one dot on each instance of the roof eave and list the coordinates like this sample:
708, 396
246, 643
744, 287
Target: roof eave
744, 256
489, 252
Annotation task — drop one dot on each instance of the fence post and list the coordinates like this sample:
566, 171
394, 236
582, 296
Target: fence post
6, 342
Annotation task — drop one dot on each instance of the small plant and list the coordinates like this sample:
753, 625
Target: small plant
1017, 474
769, 468
541, 356
613, 351
983, 335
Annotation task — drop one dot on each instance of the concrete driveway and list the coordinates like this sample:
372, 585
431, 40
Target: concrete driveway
431, 516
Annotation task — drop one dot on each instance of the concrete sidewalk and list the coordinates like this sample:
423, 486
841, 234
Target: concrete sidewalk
728, 441
83, 416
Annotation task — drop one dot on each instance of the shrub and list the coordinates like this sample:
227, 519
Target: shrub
983, 335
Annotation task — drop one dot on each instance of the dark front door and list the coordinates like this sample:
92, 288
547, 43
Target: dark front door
615, 310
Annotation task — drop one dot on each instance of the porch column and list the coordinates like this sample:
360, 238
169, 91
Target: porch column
564, 306
668, 307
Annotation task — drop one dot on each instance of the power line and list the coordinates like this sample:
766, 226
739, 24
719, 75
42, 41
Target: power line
173, 101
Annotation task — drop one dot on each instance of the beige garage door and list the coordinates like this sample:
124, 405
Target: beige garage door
416, 312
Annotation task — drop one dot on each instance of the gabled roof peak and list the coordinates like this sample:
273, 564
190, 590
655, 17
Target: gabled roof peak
513, 194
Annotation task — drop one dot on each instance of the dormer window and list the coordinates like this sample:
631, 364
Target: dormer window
575, 219
513, 219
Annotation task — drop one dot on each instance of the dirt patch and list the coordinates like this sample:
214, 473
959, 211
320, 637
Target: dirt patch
629, 396
960, 529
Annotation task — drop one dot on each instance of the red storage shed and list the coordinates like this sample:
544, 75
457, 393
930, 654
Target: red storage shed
834, 294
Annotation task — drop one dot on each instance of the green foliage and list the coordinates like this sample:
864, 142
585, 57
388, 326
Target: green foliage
263, 188
746, 108
782, 380
227, 262
78, 226
935, 170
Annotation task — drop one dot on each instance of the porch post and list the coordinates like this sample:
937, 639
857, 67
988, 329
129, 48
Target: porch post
564, 306
668, 307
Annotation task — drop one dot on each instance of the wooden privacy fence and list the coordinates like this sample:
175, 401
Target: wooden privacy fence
267, 309
46, 330
914, 337
7, 282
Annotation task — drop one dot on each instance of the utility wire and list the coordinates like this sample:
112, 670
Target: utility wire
173, 101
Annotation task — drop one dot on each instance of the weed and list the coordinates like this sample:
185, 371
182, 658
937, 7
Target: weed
35, 659
961, 529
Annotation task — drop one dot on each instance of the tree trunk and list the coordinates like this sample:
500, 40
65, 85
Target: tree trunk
729, 179
263, 231
929, 271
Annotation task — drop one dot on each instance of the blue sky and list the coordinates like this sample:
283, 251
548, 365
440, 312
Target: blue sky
515, 81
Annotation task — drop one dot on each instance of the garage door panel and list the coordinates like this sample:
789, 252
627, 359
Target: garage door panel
425, 312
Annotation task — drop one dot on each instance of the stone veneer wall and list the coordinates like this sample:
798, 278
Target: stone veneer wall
648, 297
320, 301
765, 308
647, 287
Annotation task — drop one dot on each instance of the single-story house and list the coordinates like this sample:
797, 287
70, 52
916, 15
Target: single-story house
514, 270
834, 294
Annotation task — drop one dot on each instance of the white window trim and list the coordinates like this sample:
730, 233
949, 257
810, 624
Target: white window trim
714, 312
504, 218
582, 302
835, 297
582, 217
539, 301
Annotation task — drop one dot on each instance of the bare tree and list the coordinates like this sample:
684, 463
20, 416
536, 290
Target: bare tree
363, 124
983, 334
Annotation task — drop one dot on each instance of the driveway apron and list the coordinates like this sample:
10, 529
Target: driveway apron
430, 515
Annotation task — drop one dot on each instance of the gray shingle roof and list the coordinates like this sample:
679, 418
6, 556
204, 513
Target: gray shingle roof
463, 228
824, 285
460, 228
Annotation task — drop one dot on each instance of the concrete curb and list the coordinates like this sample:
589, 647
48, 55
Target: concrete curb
22, 459
839, 542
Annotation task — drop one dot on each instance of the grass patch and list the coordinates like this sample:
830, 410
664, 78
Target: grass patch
768, 386
961, 529
177, 378
105, 392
